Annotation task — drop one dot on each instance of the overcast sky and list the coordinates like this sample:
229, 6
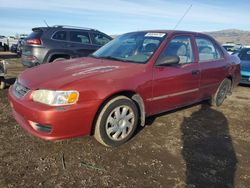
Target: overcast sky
120, 16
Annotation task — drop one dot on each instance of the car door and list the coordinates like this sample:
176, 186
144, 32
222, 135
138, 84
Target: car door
60, 40
176, 85
213, 65
80, 43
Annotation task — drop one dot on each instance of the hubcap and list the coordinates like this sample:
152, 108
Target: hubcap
120, 123
222, 93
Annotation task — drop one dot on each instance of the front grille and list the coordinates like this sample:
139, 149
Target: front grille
41, 127
245, 78
19, 90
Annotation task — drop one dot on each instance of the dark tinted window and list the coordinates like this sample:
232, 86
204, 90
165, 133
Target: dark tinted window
180, 46
245, 54
60, 35
35, 34
79, 36
99, 39
207, 50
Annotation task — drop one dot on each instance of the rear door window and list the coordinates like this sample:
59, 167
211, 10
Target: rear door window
99, 39
60, 35
79, 37
207, 50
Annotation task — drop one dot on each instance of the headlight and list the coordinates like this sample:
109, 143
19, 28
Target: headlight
55, 98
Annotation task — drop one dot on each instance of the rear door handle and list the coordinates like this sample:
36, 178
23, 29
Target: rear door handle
195, 72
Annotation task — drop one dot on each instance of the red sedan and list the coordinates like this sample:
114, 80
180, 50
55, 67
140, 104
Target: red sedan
111, 92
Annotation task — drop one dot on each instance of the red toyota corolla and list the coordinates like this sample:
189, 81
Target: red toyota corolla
111, 92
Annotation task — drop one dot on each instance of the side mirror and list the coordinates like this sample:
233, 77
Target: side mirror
168, 60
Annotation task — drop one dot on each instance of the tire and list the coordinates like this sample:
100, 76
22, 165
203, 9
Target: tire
2, 83
116, 122
58, 59
221, 93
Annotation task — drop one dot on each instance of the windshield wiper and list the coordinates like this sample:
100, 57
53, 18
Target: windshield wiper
111, 58
117, 59
91, 55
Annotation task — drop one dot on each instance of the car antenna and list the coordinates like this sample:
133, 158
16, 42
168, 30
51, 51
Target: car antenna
46, 23
178, 23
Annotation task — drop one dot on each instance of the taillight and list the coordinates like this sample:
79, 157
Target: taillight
34, 41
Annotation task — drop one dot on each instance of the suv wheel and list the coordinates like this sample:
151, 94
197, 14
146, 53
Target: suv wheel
221, 93
117, 121
58, 59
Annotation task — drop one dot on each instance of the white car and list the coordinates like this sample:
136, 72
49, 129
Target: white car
229, 47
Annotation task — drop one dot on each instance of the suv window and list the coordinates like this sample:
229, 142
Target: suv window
79, 36
180, 46
99, 39
207, 50
60, 35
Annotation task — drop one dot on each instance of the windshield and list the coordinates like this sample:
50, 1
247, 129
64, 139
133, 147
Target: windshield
135, 47
245, 54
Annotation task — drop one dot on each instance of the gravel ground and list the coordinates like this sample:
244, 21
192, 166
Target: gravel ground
196, 146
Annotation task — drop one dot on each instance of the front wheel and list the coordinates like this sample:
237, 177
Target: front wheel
221, 93
116, 122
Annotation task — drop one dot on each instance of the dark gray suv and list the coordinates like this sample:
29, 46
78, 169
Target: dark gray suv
49, 44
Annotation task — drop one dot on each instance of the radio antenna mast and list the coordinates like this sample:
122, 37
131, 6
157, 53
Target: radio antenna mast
178, 23
45, 23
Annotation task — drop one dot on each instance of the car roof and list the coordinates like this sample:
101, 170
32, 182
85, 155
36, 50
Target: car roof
63, 27
174, 32
72, 27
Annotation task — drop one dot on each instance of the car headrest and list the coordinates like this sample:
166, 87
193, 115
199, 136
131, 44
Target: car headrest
150, 47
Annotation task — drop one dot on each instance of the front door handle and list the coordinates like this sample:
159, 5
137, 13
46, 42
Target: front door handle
195, 72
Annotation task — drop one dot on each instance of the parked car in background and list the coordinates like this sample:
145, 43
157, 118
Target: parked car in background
7, 42
13, 48
20, 43
49, 44
229, 47
232, 48
244, 56
109, 93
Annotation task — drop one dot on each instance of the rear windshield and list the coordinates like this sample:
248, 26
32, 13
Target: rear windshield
35, 34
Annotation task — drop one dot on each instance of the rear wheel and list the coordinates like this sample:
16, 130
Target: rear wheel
117, 121
221, 93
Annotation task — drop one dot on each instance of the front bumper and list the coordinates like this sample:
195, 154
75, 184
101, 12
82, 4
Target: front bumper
29, 60
245, 77
65, 122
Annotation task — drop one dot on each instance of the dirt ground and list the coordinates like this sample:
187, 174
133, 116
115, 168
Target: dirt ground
197, 146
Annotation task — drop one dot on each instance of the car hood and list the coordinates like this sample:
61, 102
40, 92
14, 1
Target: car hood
245, 65
62, 73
